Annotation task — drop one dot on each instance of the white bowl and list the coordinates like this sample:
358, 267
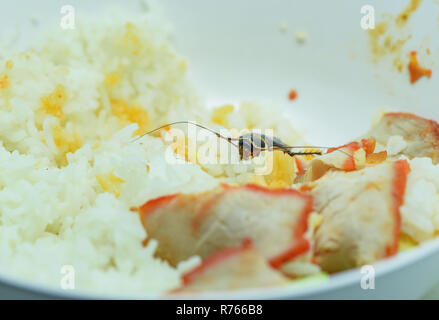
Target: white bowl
238, 52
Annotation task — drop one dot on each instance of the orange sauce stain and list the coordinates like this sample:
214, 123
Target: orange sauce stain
416, 71
292, 95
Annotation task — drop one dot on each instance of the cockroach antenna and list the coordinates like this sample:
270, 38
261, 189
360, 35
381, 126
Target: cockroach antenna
251, 144
230, 140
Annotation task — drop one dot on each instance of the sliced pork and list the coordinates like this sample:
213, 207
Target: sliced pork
233, 268
202, 224
420, 134
361, 219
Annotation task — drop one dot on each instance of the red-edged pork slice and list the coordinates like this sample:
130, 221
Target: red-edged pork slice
201, 224
421, 135
232, 268
361, 219
349, 157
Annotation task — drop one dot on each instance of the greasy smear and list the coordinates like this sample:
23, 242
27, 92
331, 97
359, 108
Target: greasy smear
383, 44
416, 71
390, 35
404, 16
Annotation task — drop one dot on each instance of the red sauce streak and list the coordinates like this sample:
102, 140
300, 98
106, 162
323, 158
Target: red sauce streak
349, 164
367, 144
401, 171
300, 166
152, 205
416, 71
300, 243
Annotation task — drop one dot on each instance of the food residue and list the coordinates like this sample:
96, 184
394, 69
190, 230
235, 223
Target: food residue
292, 95
390, 35
283, 27
301, 36
416, 71
404, 16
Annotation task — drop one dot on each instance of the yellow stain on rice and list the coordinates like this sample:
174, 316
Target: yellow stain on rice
112, 79
110, 183
4, 82
128, 112
66, 142
9, 65
132, 39
53, 103
283, 172
219, 115
181, 147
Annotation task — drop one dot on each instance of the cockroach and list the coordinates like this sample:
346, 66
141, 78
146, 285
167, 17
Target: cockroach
251, 145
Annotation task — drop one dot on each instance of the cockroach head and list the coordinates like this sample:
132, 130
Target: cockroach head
251, 145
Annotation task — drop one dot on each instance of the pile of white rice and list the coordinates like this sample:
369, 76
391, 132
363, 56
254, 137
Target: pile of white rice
68, 172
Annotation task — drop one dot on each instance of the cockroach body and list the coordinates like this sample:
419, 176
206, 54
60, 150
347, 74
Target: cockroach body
251, 145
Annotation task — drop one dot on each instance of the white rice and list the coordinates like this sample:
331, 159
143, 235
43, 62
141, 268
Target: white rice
54, 210
420, 211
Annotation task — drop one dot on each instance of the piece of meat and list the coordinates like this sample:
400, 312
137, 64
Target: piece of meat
349, 157
421, 135
275, 220
361, 219
232, 268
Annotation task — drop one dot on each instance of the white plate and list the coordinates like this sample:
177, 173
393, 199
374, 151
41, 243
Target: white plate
237, 52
